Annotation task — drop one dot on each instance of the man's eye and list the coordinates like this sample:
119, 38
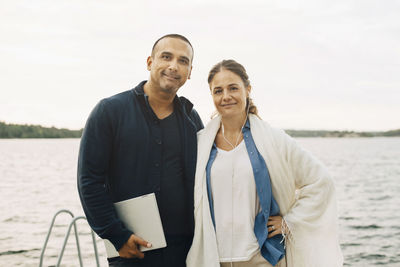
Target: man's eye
218, 91
165, 56
184, 61
234, 88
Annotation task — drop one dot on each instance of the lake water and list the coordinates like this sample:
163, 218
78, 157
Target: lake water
38, 177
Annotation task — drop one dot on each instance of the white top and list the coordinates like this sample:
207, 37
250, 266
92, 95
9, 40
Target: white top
236, 204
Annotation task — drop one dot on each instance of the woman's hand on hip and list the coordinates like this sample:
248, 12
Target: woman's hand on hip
274, 225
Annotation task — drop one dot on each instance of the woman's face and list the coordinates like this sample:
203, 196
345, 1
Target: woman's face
229, 93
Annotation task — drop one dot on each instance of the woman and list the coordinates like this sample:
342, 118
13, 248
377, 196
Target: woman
255, 188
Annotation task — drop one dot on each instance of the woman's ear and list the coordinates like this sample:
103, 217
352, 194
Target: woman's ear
248, 89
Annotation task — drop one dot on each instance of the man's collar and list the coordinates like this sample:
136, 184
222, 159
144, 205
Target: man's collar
138, 90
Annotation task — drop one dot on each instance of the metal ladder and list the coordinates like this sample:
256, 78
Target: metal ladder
72, 223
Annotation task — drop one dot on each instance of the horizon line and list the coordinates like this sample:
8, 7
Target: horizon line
286, 129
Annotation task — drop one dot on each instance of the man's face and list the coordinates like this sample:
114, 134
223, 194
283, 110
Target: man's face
170, 65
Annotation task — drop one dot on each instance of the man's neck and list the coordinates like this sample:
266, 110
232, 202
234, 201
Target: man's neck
160, 103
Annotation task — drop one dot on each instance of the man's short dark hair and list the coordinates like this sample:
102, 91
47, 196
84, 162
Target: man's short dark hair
173, 35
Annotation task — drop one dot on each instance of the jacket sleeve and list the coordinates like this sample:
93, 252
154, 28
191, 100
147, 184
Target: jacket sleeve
196, 119
93, 170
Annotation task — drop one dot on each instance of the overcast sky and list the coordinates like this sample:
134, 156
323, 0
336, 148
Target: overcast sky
312, 64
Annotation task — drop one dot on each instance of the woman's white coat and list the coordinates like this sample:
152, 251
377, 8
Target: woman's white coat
301, 186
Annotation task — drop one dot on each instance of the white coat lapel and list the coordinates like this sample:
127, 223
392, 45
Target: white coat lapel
205, 142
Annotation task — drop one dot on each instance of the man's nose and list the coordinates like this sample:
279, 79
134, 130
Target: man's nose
173, 65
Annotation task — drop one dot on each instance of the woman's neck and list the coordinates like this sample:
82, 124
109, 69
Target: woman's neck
233, 124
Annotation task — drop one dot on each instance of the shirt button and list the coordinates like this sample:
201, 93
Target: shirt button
157, 164
158, 141
256, 170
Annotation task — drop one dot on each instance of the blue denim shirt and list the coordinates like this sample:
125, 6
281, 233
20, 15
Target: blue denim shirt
272, 249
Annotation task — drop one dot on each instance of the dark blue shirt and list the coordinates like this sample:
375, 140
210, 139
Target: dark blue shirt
117, 161
175, 213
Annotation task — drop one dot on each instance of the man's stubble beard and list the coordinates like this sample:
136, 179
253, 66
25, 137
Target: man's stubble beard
171, 91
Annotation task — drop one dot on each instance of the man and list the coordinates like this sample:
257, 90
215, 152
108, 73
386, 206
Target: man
142, 141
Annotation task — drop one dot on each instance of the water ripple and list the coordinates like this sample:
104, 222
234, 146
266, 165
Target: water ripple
365, 227
12, 252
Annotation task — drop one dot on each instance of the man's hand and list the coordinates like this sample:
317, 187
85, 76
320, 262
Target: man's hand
131, 248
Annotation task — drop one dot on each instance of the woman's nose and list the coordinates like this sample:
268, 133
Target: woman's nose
226, 95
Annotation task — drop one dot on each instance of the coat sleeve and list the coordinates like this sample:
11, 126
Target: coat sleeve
312, 220
93, 168
312, 180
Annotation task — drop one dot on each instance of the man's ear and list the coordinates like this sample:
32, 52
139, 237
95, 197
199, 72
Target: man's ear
190, 72
149, 62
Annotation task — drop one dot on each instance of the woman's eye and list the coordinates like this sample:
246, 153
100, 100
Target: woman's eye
218, 91
234, 88
165, 56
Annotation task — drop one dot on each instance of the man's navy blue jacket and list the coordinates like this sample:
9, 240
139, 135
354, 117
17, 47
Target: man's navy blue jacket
115, 158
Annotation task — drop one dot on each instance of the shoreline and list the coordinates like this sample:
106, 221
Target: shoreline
18, 131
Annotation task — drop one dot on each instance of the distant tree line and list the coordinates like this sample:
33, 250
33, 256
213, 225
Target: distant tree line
35, 131
392, 133
324, 133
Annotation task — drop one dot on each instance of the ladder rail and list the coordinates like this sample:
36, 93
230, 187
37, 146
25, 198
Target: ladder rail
72, 224
96, 253
50, 231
